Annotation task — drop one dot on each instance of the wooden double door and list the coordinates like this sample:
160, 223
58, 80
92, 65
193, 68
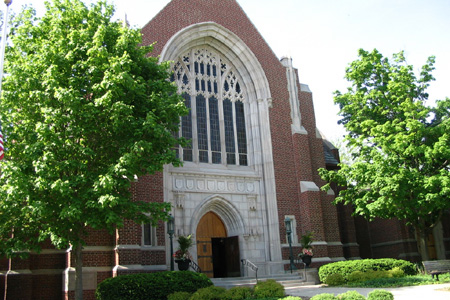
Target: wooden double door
218, 255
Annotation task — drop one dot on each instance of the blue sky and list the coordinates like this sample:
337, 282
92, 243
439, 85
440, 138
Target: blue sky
323, 36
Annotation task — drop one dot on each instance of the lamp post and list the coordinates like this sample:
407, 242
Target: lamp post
171, 231
288, 223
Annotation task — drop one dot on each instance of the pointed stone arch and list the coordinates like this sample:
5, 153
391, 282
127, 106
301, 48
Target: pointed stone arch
225, 210
257, 105
227, 43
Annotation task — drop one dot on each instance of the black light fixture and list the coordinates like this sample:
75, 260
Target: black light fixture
288, 223
171, 231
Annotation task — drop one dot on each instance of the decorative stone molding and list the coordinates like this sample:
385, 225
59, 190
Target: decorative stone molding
179, 200
252, 202
212, 185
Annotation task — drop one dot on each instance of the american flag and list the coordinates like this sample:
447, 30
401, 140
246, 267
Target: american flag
2, 149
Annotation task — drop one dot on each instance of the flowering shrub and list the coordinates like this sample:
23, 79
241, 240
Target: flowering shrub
184, 243
181, 255
306, 251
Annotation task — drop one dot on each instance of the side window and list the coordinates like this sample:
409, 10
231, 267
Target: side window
149, 235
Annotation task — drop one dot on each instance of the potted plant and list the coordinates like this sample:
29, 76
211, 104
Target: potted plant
182, 255
307, 252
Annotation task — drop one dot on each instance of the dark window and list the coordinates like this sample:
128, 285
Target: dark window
186, 129
229, 132
149, 235
215, 130
202, 129
241, 135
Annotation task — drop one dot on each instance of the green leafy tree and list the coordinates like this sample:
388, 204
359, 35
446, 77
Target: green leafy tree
402, 168
85, 111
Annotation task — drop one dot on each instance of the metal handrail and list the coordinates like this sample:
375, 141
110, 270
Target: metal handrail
195, 267
249, 264
300, 262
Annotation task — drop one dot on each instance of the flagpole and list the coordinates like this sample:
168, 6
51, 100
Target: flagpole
2, 50
2, 59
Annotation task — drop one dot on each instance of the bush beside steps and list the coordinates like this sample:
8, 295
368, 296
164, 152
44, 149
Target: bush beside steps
354, 295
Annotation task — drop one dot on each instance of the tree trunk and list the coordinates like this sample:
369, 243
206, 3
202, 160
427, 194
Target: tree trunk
5, 296
422, 238
78, 249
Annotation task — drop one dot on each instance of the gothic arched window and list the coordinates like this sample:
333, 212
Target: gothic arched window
215, 124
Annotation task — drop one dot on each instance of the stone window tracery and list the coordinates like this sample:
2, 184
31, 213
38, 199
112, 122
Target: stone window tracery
213, 91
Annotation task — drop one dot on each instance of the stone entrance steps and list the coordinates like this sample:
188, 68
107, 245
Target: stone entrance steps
288, 280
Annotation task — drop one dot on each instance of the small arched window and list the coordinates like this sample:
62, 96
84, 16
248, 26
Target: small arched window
215, 125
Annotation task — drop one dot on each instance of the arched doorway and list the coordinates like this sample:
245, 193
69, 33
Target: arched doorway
218, 255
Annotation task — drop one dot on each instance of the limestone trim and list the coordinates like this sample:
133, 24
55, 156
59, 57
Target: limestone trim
16, 272
139, 247
98, 248
139, 268
409, 254
49, 251
315, 243
393, 243
305, 88
350, 245
308, 186
294, 102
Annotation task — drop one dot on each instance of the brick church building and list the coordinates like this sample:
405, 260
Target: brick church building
252, 163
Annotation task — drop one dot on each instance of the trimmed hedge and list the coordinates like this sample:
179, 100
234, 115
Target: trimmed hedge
324, 296
146, 286
179, 296
208, 293
238, 293
268, 288
345, 268
335, 279
351, 295
380, 295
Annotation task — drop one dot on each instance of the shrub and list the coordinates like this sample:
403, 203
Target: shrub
155, 286
335, 279
268, 288
397, 272
209, 293
238, 293
371, 275
290, 298
345, 268
351, 295
356, 276
179, 296
324, 296
380, 295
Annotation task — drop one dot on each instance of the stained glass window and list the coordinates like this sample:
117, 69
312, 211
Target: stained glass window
214, 94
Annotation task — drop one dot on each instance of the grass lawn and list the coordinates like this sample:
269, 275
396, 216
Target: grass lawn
402, 281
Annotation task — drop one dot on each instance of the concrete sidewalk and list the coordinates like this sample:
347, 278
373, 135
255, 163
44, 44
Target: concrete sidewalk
428, 292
